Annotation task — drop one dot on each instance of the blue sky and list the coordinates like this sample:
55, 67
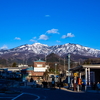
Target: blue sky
51, 22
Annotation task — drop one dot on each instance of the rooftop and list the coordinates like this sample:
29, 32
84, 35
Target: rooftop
85, 66
39, 60
30, 68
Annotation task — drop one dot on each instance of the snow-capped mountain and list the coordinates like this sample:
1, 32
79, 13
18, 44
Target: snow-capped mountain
38, 48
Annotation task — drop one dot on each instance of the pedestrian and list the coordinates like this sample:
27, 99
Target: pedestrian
53, 83
72, 84
31, 80
83, 84
98, 86
93, 84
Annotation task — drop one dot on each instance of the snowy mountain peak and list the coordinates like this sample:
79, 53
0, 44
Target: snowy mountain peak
38, 48
37, 44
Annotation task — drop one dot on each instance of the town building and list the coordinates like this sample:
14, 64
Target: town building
22, 65
89, 73
36, 71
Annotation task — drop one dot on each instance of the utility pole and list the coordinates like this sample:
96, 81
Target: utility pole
26, 58
23, 61
55, 72
80, 61
64, 72
68, 68
45, 58
55, 68
64, 64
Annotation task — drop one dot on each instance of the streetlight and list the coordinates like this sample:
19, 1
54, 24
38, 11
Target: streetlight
64, 69
64, 64
55, 71
60, 80
68, 68
55, 68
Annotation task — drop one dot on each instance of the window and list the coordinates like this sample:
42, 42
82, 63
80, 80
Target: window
39, 65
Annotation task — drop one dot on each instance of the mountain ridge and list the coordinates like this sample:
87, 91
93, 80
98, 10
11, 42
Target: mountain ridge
38, 48
28, 53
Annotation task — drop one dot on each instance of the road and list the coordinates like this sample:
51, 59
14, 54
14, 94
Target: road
48, 94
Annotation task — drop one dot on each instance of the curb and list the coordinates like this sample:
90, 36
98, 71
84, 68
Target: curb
65, 89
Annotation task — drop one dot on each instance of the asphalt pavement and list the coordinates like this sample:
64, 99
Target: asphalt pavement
49, 94
30, 93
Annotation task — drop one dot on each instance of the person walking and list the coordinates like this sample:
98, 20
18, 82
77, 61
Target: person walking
98, 86
53, 83
31, 80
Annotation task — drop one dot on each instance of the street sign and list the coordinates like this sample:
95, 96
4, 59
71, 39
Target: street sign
68, 74
75, 74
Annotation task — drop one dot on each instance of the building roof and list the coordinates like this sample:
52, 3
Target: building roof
76, 68
39, 60
85, 66
30, 68
92, 66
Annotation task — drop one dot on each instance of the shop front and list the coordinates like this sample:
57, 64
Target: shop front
88, 74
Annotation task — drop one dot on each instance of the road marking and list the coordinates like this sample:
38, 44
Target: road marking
17, 96
38, 97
